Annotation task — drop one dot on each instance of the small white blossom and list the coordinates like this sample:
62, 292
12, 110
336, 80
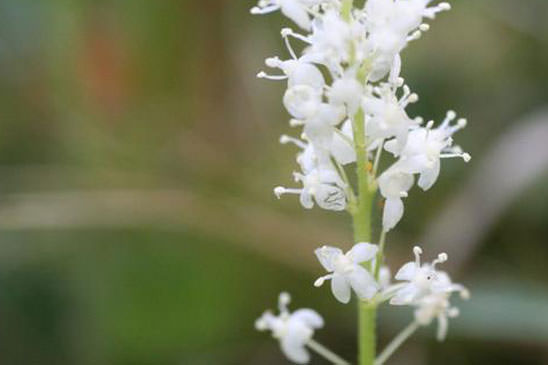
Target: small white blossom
347, 92
394, 184
423, 280
342, 146
322, 185
346, 271
296, 72
436, 306
330, 41
391, 24
296, 10
425, 148
302, 101
386, 113
292, 330
321, 182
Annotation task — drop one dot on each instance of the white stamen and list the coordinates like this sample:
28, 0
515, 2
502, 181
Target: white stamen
285, 139
320, 281
295, 123
272, 62
461, 123
418, 252
444, 6
413, 98
264, 75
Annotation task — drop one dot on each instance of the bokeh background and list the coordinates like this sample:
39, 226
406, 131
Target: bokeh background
137, 157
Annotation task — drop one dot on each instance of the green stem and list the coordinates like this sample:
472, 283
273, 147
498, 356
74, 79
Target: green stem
346, 9
326, 353
367, 318
366, 191
380, 254
361, 214
396, 343
367, 311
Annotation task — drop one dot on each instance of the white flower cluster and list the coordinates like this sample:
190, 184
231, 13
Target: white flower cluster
424, 287
293, 330
345, 91
350, 64
428, 290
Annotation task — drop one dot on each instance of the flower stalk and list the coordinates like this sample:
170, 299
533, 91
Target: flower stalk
345, 91
397, 342
326, 353
367, 311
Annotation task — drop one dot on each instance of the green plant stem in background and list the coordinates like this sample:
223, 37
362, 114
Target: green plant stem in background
380, 255
367, 312
396, 343
326, 353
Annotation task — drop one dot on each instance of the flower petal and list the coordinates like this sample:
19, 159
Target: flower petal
429, 176
295, 11
362, 251
306, 200
392, 214
330, 197
362, 282
340, 288
342, 150
293, 342
407, 271
405, 295
443, 326
327, 256
306, 74
309, 317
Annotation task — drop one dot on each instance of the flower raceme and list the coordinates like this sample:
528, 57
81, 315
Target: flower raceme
293, 330
422, 287
346, 97
351, 63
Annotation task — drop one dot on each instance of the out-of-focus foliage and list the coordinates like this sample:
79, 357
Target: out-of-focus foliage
138, 153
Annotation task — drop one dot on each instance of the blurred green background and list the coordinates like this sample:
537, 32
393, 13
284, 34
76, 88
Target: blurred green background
137, 158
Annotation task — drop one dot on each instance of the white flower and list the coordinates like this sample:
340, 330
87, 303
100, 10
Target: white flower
319, 129
330, 41
293, 330
302, 101
296, 10
386, 113
346, 91
425, 148
423, 280
433, 306
346, 273
394, 184
305, 104
342, 145
391, 24
341, 148
322, 185
296, 72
